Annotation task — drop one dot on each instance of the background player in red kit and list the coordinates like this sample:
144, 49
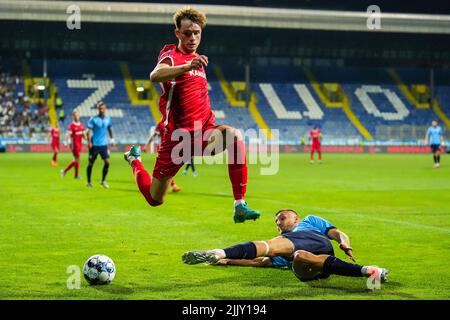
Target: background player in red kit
185, 103
157, 133
316, 136
74, 138
55, 137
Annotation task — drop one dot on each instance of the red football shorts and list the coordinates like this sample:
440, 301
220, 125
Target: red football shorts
55, 146
166, 166
316, 147
76, 152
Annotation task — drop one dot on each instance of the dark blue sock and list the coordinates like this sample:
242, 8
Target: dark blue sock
89, 172
333, 265
241, 251
105, 171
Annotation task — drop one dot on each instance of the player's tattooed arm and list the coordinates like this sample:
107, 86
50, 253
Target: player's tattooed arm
343, 240
165, 71
258, 262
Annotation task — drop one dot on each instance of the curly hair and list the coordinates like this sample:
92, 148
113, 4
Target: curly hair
189, 13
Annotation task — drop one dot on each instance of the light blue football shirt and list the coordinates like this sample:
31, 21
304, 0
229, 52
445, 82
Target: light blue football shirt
434, 135
310, 222
99, 128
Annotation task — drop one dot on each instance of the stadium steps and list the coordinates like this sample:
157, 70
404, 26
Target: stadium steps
233, 102
435, 106
405, 90
437, 109
133, 96
344, 105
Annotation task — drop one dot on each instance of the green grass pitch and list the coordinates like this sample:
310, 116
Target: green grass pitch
395, 208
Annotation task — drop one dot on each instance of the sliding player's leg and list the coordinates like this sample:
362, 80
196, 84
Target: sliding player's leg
279, 246
308, 266
229, 138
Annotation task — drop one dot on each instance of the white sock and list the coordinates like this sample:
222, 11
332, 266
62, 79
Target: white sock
238, 202
219, 253
365, 271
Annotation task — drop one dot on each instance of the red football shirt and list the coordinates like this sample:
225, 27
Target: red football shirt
55, 136
160, 128
315, 137
75, 132
185, 99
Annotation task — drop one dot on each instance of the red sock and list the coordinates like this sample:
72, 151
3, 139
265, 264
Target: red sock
77, 165
143, 181
72, 164
55, 155
312, 155
237, 170
172, 182
320, 155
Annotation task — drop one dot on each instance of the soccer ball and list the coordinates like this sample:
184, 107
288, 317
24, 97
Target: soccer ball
99, 269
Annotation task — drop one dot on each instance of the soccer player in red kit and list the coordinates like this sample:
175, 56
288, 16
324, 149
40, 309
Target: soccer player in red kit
55, 137
185, 104
316, 136
157, 133
74, 138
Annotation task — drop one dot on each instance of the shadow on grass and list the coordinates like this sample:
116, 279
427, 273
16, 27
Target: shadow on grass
253, 289
134, 190
123, 181
114, 289
211, 195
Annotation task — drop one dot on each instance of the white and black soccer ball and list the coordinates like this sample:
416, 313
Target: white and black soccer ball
99, 269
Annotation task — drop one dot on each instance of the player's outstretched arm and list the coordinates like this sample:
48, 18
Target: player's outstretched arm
164, 71
343, 240
257, 262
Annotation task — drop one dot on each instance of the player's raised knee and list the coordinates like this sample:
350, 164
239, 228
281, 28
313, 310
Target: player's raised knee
301, 256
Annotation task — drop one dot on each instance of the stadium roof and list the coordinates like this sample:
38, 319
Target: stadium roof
222, 15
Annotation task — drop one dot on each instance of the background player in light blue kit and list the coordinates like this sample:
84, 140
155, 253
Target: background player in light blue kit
435, 139
98, 126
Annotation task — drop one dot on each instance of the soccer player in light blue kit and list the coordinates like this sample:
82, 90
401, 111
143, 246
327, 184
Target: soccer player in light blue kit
435, 139
98, 126
304, 245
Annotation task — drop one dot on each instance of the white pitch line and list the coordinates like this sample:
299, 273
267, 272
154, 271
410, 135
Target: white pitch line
369, 217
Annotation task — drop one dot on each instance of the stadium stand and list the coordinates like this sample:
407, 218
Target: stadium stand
349, 104
20, 116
